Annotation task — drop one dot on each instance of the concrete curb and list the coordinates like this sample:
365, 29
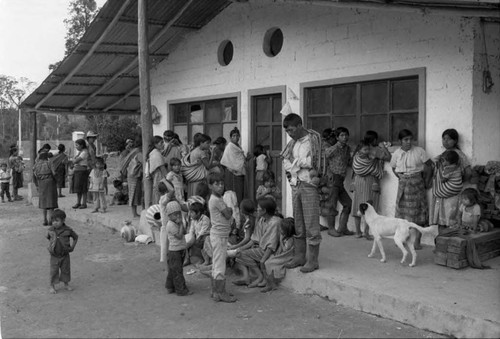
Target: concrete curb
407, 311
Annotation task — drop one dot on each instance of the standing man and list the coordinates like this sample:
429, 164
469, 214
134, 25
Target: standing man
301, 161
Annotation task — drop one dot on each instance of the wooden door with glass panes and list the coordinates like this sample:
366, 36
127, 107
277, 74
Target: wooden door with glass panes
268, 132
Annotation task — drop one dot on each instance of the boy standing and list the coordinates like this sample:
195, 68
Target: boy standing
176, 250
220, 218
60, 247
4, 181
339, 157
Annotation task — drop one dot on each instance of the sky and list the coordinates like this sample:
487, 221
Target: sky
32, 36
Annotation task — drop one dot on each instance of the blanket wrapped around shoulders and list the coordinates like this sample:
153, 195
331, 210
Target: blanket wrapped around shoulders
366, 166
234, 159
192, 171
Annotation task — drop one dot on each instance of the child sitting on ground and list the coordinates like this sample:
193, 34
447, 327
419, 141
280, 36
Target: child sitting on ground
274, 268
469, 211
247, 209
60, 247
268, 187
176, 250
175, 177
200, 227
121, 195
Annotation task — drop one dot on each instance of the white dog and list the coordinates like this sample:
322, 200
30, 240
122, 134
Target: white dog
403, 232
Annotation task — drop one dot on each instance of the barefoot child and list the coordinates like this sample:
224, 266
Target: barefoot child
264, 240
177, 180
274, 268
200, 227
268, 187
98, 182
176, 250
220, 218
247, 209
60, 247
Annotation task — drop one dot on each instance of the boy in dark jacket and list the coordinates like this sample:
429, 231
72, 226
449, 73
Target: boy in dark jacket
59, 247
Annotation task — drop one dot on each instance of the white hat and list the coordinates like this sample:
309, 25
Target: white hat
173, 207
92, 134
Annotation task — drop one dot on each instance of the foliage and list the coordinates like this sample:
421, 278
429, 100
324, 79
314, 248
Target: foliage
113, 130
81, 13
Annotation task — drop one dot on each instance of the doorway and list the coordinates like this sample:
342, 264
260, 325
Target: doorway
267, 130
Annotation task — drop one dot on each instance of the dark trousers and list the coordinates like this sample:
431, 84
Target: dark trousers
339, 194
175, 277
4, 189
60, 269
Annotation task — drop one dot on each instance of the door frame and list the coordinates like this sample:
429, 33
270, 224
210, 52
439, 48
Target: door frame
251, 126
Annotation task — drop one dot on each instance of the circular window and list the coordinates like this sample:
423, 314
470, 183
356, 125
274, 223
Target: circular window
225, 53
273, 41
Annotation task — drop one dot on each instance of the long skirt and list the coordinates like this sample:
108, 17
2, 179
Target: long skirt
363, 192
235, 183
80, 181
276, 263
61, 176
47, 190
17, 179
411, 200
444, 211
191, 187
157, 177
134, 191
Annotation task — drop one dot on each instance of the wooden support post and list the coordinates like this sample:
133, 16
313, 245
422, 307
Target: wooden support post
34, 137
145, 92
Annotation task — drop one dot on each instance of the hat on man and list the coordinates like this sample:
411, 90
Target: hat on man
92, 134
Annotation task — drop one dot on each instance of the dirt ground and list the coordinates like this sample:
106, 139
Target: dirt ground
119, 292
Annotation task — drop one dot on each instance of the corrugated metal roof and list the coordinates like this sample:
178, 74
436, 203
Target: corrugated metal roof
101, 76
107, 79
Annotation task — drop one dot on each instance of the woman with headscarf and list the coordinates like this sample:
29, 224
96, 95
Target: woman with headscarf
134, 174
156, 164
60, 163
235, 162
196, 164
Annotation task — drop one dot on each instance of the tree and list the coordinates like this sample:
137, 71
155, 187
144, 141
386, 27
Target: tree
81, 13
113, 130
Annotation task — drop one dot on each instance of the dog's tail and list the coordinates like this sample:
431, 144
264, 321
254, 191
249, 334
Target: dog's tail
430, 229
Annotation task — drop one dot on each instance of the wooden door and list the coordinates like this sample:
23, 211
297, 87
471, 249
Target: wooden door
268, 132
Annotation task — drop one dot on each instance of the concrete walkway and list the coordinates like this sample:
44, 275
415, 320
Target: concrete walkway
459, 303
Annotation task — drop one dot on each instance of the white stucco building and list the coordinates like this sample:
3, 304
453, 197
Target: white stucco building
363, 69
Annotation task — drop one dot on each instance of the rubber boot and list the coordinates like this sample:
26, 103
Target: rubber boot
299, 258
222, 295
344, 216
271, 283
312, 259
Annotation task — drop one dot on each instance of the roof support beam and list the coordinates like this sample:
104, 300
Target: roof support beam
120, 53
128, 94
88, 55
151, 22
64, 110
133, 63
415, 7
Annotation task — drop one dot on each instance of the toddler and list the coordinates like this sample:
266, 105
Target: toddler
175, 177
200, 227
98, 182
60, 247
268, 187
5, 181
71, 171
469, 211
220, 218
261, 163
176, 250
121, 195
